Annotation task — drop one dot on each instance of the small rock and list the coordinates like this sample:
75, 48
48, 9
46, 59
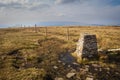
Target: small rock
82, 71
117, 73
89, 78
75, 63
108, 72
59, 79
69, 75
89, 73
86, 69
108, 68
95, 65
63, 63
100, 69
87, 66
96, 69
55, 67
69, 66
73, 70
59, 61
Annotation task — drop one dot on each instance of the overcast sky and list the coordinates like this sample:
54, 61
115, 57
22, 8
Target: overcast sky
83, 11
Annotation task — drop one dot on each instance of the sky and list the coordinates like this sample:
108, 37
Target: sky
16, 12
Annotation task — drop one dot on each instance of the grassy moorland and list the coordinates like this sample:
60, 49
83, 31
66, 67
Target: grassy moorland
29, 55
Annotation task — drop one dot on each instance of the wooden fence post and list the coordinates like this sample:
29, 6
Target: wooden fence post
24, 27
67, 33
46, 32
35, 28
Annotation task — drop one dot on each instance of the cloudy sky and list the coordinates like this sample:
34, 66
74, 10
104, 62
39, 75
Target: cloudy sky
82, 11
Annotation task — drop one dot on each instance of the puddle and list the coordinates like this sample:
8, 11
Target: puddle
67, 58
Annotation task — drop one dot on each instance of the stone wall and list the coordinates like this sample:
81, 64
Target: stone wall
87, 46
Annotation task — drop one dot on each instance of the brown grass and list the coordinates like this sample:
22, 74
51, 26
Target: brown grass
26, 55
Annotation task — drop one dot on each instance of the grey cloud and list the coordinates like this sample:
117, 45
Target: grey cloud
29, 6
65, 1
11, 5
41, 6
85, 11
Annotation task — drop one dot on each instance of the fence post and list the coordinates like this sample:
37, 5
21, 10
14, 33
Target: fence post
24, 26
35, 28
21, 25
67, 33
46, 32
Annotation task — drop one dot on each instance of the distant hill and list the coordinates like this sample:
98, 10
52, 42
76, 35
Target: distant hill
54, 23
59, 23
3, 25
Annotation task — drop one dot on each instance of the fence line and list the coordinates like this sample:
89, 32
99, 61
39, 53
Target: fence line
45, 31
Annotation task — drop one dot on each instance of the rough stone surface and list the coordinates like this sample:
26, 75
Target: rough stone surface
89, 78
87, 46
55, 67
59, 79
69, 75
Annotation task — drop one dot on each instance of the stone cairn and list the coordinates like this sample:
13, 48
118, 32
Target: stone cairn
87, 47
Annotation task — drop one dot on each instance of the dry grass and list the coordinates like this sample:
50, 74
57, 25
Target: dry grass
108, 37
24, 52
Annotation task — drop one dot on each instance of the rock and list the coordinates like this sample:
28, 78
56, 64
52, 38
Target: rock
95, 65
69, 66
59, 79
75, 63
86, 69
89, 73
108, 72
87, 66
69, 75
117, 73
82, 71
89, 78
55, 67
96, 69
100, 69
108, 68
63, 63
59, 61
73, 70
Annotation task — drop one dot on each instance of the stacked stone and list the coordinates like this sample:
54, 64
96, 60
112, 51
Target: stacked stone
87, 46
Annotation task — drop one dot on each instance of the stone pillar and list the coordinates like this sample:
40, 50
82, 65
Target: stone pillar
87, 47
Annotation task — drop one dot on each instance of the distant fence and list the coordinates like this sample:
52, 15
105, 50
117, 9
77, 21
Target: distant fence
46, 31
